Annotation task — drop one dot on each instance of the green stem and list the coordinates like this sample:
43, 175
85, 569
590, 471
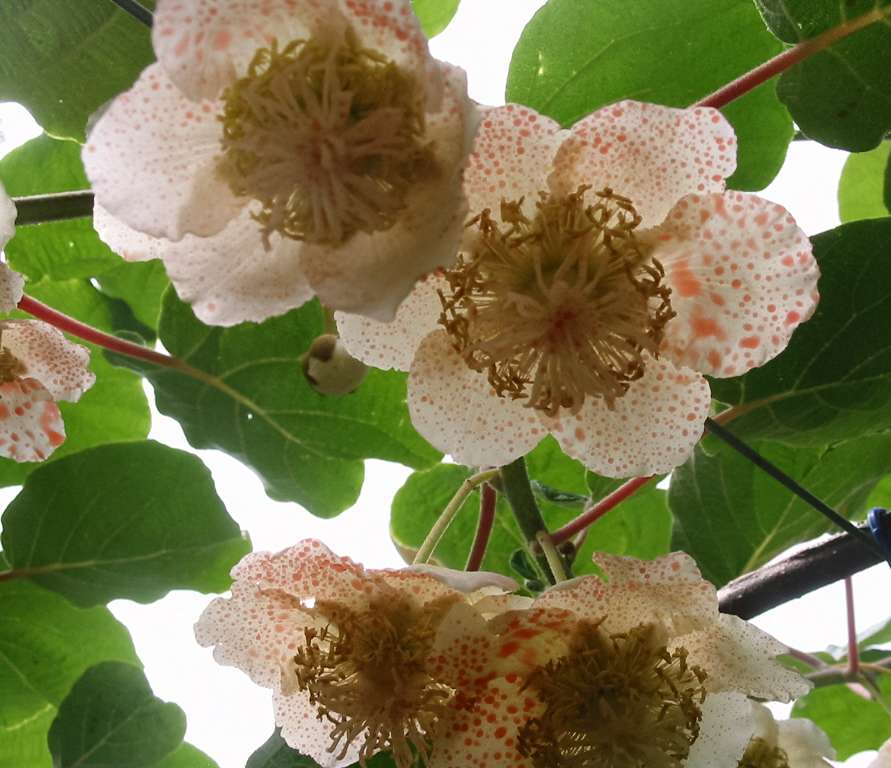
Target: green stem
555, 561
448, 514
519, 494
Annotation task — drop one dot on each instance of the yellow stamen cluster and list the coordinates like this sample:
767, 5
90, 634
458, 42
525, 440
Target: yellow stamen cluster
615, 701
759, 754
559, 307
368, 673
326, 135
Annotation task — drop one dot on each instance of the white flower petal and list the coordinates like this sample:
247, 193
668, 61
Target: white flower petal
393, 344
152, 161
469, 582
456, 410
61, 366
805, 744
653, 427
512, 157
310, 735
12, 288
883, 759
204, 45
742, 277
725, 730
649, 153
740, 657
7, 218
371, 274
31, 426
228, 278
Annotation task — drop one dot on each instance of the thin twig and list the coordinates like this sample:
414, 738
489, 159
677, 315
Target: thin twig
488, 500
555, 560
38, 209
448, 514
598, 510
139, 12
853, 651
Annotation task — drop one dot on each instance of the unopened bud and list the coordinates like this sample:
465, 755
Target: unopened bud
330, 369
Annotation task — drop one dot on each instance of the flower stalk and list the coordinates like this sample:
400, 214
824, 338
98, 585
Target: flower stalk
488, 500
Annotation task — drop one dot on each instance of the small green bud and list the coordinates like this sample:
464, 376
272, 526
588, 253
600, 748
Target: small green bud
329, 368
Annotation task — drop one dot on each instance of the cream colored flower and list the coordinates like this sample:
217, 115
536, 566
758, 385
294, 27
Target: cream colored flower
38, 366
793, 743
639, 670
603, 272
883, 759
284, 149
359, 660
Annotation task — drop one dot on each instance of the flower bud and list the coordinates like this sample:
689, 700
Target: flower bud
330, 369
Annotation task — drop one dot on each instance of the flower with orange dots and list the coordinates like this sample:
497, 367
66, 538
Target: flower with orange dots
38, 366
604, 271
638, 670
359, 661
284, 148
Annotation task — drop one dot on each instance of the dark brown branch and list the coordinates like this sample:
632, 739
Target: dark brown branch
797, 575
37, 209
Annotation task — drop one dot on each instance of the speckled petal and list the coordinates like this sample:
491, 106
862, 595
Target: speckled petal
652, 429
468, 582
669, 590
485, 735
31, 426
649, 153
229, 277
742, 277
512, 157
7, 218
204, 45
804, 743
151, 159
725, 730
883, 759
306, 733
393, 344
371, 274
12, 287
46, 355
455, 409
738, 656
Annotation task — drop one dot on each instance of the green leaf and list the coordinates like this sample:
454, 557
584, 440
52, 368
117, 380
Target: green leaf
114, 408
251, 400
732, 517
186, 756
878, 634
640, 527
576, 56
435, 15
852, 723
97, 526
65, 60
861, 188
62, 250
45, 646
275, 753
838, 96
834, 379
112, 718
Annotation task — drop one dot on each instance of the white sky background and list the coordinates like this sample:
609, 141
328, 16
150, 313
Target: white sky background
228, 716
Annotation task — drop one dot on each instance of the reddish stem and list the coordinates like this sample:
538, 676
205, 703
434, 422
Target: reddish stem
853, 652
488, 498
86, 332
788, 58
598, 510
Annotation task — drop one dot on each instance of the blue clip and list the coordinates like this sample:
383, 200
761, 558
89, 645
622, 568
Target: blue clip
879, 522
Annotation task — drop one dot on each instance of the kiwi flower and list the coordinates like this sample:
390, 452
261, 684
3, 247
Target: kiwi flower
282, 149
638, 670
793, 743
38, 366
359, 661
603, 272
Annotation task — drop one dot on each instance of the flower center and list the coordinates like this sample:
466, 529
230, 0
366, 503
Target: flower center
759, 754
367, 673
326, 135
559, 307
10, 366
615, 701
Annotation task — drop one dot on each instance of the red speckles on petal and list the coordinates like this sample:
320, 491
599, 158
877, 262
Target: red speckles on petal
757, 276
31, 426
512, 156
11, 283
665, 153
455, 408
652, 429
